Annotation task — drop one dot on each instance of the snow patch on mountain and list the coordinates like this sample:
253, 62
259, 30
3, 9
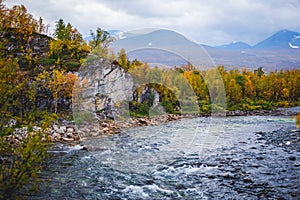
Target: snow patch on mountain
293, 47
294, 44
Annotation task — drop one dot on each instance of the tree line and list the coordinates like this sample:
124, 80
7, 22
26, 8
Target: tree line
244, 89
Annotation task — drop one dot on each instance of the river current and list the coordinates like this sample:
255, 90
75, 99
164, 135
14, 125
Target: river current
200, 158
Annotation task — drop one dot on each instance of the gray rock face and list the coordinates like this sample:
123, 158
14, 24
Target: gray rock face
103, 87
104, 92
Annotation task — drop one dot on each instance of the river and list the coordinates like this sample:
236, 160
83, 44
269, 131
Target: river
251, 157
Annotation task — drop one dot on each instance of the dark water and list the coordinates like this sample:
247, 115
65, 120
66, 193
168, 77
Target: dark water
199, 158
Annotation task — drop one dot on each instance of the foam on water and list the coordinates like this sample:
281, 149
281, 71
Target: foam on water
65, 149
145, 163
137, 191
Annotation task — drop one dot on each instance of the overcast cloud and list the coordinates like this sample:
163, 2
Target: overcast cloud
211, 22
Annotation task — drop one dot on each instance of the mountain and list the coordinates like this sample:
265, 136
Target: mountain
295, 44
283, 39
235, 46
158, 46
168, 48
161, 38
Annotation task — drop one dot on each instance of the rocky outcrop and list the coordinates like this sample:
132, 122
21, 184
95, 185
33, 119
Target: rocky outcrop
105, 91
148, 95
103, 86
37, 45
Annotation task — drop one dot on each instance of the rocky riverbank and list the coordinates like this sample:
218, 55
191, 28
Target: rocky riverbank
68, 132
273, 112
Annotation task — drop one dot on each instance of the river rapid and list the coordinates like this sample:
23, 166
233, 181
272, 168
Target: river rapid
250, 157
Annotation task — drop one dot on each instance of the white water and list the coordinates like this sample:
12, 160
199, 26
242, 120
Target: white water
158, 162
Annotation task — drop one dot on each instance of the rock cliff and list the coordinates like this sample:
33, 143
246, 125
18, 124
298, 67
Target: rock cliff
105, 91
101, 92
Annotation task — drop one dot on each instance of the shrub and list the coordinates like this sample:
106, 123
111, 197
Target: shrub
284, 104
46, 61
264, 104
21, 164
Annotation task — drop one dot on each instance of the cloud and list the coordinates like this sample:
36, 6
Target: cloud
210, 22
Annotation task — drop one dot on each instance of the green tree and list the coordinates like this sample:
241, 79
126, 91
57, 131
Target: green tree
60, 32
69, 49
100, 42
100, 38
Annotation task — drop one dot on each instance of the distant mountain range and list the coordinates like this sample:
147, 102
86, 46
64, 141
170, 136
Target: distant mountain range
169, 48
235, 46
283, 39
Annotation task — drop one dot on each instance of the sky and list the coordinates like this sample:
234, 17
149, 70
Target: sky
213, 22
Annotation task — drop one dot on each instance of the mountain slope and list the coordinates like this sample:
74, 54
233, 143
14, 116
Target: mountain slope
168, 41
235, 46
283, 39
159, 39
